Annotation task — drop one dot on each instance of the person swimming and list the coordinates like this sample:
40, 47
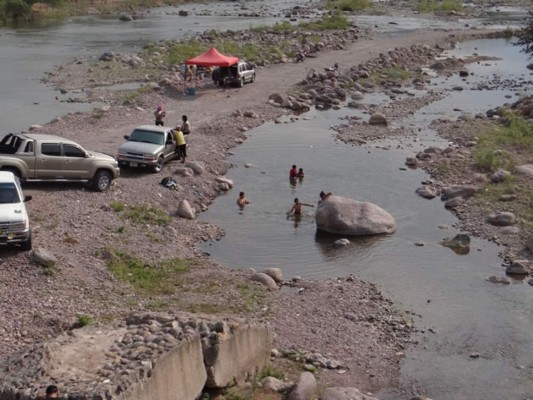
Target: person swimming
242, 200
297, 207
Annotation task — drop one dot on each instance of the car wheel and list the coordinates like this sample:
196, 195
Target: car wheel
26, 246
102, 180
253, 78
159, 166
241, 82
221, 82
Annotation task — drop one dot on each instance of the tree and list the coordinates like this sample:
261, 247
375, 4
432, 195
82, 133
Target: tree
525, 36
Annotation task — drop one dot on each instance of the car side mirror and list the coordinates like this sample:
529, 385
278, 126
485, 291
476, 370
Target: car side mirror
126, 137
169, 141
27, 198
87, 155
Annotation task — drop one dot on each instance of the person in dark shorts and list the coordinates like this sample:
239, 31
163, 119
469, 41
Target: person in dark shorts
159, 115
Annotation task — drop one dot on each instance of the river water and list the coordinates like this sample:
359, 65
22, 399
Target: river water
449, 291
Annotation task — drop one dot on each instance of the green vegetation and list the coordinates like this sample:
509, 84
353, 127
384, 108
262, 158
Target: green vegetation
142, 214
251, 297
83, 320
147, 278
425, 6
269, 370
508, 33
391, 74
328, 22
497, 147
21, 10
349, 5
133, 95
525, 36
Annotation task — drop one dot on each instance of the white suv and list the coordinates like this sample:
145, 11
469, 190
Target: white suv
14, 220
237, 74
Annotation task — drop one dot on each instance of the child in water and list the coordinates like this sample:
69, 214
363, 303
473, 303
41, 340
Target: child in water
297, 207
242, 200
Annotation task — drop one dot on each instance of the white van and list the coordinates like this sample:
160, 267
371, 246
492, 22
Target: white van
236, 74
14, 220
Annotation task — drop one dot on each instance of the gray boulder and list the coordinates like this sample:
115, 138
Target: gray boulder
426, 192
222, 179
460, 243
274, 385
499, 279
276, 98
454, 202
250, 114
196, 166
125, 18
518, 267
185, 210
274, 273
377, 119
344, 393
43, 257
265, 280
504, 218
305, 387
411, 161
463, 191
348, 217
341, 242
525, 170
499, 176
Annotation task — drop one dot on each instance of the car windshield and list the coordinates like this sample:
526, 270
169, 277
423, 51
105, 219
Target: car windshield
139, 135
9, 194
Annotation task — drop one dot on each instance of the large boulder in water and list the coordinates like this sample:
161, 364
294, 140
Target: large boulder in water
348, 217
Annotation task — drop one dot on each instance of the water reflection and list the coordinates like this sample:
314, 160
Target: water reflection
325, 243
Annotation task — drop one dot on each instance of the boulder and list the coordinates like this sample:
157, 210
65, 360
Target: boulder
250, 114
525, 170
196, 166
460, 243
463, 191
185, 210
276, 98
274, 385
377, 119
348, 217
504, 218
499, 279
34, 128
305, 387
499, 176
222, 179
344, 393
341, 242
454, 202
274, 273
125, 18
265, 280
107, 56
411, 161
426, 192
357, 95
518, 267
184, 171
183, 13
43, 257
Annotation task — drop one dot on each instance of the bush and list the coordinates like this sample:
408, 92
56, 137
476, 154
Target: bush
349, 5
433, 5
328, 22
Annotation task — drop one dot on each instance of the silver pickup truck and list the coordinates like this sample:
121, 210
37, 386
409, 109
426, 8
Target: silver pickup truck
35, 156
148, 146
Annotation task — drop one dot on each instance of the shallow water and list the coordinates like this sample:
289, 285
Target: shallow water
448, 290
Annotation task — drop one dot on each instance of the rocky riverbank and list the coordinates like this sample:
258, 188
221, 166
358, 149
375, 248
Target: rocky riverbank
95, 236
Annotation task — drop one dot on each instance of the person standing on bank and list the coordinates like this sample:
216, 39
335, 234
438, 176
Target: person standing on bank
51, 392
185, 125
181, 145
159, 115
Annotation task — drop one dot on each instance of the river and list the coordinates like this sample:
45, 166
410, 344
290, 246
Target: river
449, 291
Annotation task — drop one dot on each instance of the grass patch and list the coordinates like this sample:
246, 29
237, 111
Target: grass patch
252, 297
70, 240
132, 96
348, 5
425, 6
269, 370
498, 146
83, 320
328, 22
390, 74
117, 206
508, 33
158, 305
205, 308
146, 215
147, 278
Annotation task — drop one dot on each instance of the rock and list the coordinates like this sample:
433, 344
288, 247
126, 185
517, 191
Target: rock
510, 230
43, 257
411, 161
276, 98
265, 280
458, 88
377, 119
196, 166
183, 13
125, 18
499, 176
463, 73
274, 273
341, 242
184, 171
274, 385
185, 210
454, 202
344, 393
518, 267
460, 243
222, 179
305, 387
250, 114
357, 96
107, 56
530, 66
419, 397
426, 192
344, 216
504, 218
35, 128
525, 170
223, 186
463, 191
499, 279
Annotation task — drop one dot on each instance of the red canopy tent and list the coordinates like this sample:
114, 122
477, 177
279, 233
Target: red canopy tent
212, 58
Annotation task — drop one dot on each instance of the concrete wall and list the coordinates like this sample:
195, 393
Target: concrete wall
179, 375
238, 355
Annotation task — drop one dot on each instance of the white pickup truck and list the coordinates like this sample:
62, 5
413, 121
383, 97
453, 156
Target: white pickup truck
14, 220
36, 156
